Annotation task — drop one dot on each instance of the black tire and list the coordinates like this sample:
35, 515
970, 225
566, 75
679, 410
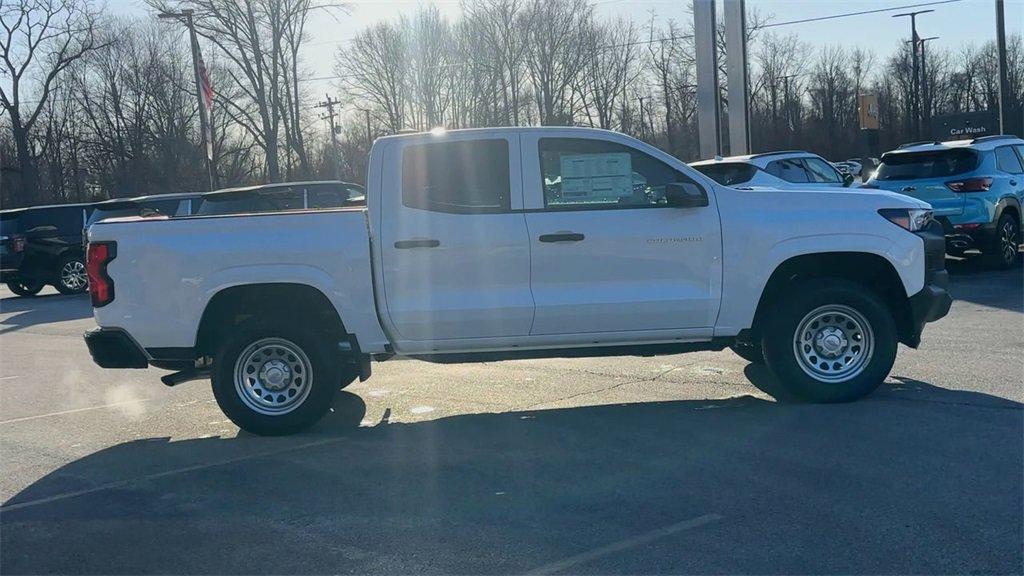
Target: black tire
26, 289
1004, 249
324, 376
854, 305
70, 274
750, 352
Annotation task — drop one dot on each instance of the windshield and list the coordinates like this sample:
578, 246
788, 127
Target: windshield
728, 173
931, 164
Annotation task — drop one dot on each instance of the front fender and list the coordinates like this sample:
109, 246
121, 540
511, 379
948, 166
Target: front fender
745, 282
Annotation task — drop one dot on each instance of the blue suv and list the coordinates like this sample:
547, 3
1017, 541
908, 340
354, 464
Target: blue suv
975, 187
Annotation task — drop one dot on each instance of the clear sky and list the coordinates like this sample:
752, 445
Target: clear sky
955, 23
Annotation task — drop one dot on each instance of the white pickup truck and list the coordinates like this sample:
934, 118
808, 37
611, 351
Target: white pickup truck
478, 245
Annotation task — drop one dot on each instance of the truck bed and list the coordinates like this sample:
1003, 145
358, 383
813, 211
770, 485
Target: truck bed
167, 269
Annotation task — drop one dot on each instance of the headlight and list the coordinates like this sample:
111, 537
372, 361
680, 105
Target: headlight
912, 219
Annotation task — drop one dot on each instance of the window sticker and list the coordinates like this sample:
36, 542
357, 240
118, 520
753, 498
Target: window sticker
596, 177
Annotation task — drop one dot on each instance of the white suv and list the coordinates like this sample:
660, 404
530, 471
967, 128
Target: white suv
785, 169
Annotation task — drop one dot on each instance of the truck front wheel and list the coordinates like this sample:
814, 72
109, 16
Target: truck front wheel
830, 341
272, 379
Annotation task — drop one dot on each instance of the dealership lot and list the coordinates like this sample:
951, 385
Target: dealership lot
613, 465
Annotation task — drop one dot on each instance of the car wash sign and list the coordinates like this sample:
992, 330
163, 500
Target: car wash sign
964, 126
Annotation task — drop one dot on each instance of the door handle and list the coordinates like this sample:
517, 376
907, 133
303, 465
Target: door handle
419, 243
561, 237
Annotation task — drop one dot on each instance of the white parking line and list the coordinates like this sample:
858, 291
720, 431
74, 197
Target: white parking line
626, 544
61, 413
174, 472
7, 377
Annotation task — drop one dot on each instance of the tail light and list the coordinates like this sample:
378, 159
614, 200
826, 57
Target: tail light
970, 185
101, 286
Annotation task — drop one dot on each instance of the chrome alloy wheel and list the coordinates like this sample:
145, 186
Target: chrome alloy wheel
1008, 241
73, 275
833, 343
273, 376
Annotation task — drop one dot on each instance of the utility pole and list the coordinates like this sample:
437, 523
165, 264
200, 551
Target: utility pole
643, 127
205, 128
790, 128
915, 83
925, 94
329, 104
369, 135
1004, 82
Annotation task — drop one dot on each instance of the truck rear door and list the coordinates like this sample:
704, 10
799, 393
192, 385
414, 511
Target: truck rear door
454, 248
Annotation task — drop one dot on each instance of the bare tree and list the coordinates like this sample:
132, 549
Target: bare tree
557, 33
41, 39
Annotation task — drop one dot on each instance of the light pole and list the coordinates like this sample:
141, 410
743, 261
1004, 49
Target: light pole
915, 102
925, 94
1004, 82
207, 137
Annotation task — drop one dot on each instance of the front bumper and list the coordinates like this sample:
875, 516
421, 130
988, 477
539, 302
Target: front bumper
114, 348
933, 301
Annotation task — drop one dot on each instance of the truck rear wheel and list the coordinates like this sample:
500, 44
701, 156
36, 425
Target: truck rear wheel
830, 341
272, 379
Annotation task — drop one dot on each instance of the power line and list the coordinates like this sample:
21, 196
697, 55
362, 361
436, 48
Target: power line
861, 13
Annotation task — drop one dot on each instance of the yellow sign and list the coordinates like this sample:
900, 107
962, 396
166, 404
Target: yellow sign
868, 104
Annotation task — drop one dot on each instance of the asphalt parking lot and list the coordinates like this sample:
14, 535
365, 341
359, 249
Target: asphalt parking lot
673, 464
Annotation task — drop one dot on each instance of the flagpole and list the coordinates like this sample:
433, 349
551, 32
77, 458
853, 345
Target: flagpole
204, 122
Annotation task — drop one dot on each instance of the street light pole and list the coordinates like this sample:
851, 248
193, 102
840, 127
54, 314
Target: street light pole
186, 17
925, 94
914, 90
1004, 83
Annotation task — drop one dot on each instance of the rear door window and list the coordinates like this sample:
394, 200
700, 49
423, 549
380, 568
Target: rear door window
790, 170
728, 173
922, 165
470, 177
1007, 160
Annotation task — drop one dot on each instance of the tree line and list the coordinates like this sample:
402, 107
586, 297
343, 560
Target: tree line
97, 106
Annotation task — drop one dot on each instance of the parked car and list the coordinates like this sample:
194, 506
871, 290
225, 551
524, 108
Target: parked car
282, 197
179, 204
786, 169
53, 251
976, 188
12, 249
469, 252
851, 167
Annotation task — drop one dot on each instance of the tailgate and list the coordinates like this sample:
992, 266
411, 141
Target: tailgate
944, 201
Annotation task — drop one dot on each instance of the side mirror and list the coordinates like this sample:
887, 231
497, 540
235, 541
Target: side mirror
685, 195
847, 179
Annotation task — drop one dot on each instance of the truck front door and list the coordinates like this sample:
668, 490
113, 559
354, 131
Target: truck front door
608, 253
456, 257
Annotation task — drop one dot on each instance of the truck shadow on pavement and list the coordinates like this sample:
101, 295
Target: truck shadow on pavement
26, 312
973, 280
914, 478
